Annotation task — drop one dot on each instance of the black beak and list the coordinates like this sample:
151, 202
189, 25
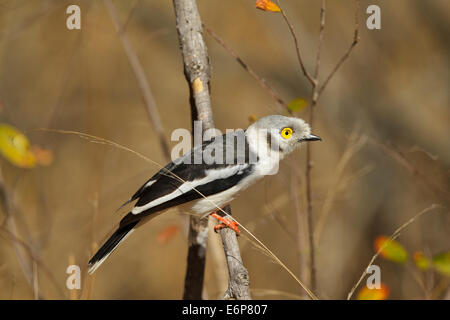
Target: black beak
312, 137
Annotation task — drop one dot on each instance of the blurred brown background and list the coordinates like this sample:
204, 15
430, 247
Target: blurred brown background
390, 97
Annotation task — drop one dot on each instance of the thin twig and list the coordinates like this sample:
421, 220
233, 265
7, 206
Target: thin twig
308, 171
130, 15
297, 47
141, 78
347, 54
274, 214
398, 156
36, 294
244, 65
315, 94
391, 238
7, 207
301, 239
355, 143
17, 241
321, 36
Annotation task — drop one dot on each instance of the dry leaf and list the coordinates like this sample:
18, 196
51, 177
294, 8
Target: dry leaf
43, 156
373, 294
390, 249
267, 5
252, 118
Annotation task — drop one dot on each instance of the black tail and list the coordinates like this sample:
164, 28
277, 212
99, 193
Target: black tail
111, 244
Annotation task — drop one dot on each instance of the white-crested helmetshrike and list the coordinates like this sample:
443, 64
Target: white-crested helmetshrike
211, 175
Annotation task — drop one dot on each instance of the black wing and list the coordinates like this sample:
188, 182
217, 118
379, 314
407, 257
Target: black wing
175, 181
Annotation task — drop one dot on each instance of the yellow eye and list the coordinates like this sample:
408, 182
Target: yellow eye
286, 133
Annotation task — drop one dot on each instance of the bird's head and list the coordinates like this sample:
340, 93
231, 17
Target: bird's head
282, 134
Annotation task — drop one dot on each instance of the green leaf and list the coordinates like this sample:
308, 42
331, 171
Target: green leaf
390, 249
421, 262
441, 262
297, 104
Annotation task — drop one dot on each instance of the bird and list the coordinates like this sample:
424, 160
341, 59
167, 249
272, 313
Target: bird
211, 175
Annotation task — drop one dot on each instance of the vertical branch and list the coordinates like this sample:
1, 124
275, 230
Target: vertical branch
309, 204
316, 91
301, 240
239, 281
197, 73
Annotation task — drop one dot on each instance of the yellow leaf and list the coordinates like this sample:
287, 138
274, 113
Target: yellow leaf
390, 249
441, 263
252, 118
267, 5
373, 294
421, 261
15, 147
297, 104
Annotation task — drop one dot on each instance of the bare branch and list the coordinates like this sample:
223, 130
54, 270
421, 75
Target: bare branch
297, 47
141, 79
20, 244
197, 73
398, 156
130, 15
347, 54
355, 143
301, 240
321, 36
309, 203
238, 283
255, 76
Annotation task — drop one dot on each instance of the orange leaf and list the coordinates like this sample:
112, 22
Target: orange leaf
267, 5
390, 249
167, 234
421, 261
43, 156
373, 294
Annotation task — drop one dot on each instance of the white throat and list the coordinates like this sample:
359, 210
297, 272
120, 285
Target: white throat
268, 158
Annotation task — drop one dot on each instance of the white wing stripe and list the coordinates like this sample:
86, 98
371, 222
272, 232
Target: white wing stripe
148, 184
211, 175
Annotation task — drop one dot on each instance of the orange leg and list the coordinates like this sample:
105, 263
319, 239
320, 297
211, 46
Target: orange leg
233, 225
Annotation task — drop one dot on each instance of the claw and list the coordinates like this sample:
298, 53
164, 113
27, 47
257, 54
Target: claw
225, 223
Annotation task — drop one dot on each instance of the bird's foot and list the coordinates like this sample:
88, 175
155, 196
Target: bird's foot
225, 223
